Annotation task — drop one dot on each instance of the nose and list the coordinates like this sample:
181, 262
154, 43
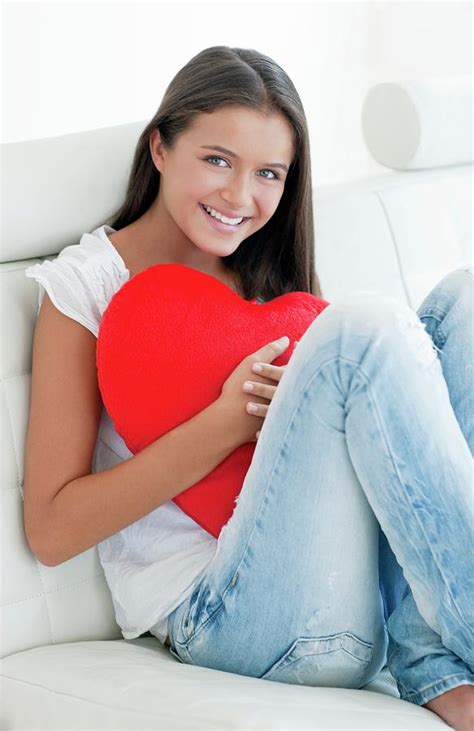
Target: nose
237, 193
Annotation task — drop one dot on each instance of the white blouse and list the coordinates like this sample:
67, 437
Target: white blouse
152, 565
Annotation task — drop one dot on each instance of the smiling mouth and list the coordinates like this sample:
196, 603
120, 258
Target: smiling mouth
244, 219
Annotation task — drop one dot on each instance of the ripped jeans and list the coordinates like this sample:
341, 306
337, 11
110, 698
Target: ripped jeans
350, 546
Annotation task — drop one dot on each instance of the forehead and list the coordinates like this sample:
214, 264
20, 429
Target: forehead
245, 132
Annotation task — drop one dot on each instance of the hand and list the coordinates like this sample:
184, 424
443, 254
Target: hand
236, 399
262, 389
259, 389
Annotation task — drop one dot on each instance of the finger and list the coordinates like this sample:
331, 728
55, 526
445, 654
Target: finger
259, 389
273, 349
256, 409
268, 370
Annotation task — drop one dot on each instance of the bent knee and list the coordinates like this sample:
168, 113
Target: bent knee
360, 319
458, 282
371, 312
455, 289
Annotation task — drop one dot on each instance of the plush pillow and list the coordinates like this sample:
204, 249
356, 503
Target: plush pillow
419, 124
168, 340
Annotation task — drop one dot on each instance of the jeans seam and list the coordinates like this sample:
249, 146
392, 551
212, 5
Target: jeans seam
404, 493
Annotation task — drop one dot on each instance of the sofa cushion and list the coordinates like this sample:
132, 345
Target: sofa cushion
137, 684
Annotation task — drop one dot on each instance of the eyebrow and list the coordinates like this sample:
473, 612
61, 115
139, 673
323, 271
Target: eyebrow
233, 154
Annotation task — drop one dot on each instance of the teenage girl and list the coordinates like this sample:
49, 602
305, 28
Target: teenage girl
348, 548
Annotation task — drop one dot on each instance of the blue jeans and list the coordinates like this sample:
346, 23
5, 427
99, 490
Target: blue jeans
350, 546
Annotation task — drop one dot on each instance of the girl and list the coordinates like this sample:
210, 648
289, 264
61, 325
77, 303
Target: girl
347, 548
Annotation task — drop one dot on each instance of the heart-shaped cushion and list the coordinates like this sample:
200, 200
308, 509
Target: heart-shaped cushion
167, 342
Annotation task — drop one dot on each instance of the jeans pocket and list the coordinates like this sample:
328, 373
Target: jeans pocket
341, 660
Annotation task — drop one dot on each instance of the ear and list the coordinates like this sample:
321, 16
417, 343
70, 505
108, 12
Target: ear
156, 149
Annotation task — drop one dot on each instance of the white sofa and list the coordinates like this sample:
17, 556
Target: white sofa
64, 662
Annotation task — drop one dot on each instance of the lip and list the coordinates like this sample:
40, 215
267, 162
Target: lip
223, 227
227, 214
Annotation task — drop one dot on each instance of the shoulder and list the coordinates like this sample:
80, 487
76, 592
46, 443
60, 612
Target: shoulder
83, 278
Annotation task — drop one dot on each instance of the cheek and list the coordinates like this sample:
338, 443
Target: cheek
184, 201
272, 201
189, 182
199, 190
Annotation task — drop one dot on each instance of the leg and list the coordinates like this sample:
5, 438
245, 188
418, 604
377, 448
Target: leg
292, 591
281, 598
447, 314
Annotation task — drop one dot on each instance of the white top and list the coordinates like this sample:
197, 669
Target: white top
152, 565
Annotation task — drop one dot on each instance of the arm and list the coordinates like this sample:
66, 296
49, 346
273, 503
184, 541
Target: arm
89, 509
67, 510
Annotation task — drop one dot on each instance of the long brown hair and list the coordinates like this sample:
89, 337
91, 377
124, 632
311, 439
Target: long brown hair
278, 258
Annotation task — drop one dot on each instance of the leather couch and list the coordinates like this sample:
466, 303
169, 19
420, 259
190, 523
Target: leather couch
65, 664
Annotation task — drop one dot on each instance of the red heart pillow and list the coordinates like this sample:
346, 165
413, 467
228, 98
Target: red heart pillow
168, 340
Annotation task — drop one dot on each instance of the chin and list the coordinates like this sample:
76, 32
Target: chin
219, 249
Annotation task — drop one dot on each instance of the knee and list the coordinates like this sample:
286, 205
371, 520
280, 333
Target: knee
458, 281
364, 318
368, 313
455, 289
460, 284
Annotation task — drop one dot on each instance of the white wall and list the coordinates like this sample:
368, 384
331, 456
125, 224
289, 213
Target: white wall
71, 66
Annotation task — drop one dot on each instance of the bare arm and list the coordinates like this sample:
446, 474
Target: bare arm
67, 509
92, 508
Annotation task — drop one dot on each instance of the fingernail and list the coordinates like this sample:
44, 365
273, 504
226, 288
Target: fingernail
257, 368
283, 342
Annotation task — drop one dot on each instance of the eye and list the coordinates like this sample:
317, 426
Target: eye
276, 176
208, 159
213, 157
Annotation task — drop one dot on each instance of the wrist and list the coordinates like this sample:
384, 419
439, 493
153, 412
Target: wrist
226, 422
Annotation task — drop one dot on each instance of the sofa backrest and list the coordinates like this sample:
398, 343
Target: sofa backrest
396, 234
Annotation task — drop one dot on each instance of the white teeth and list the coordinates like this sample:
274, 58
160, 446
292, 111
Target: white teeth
224, 219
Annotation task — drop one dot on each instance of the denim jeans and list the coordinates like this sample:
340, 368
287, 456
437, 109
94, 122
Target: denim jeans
350, 544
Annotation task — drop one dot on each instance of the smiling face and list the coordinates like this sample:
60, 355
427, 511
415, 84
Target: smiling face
247, 180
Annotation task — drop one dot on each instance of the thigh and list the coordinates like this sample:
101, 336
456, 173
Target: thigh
292, 592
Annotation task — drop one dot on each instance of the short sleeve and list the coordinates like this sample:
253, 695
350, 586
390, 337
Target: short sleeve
80, 281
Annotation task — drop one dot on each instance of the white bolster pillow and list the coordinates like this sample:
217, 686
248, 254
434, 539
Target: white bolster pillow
420, 124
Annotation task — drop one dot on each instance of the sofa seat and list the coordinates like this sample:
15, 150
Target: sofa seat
125, 684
